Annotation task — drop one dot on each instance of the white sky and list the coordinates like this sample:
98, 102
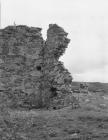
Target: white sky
86, 21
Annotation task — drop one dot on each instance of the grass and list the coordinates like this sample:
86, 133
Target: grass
63, 124
90, 122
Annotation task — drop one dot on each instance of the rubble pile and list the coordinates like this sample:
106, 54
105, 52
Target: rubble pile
31, 74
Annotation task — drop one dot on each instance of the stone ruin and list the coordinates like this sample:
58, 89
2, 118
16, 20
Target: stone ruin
31, 74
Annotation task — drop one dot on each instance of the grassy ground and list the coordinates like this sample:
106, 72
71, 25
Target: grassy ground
90, 122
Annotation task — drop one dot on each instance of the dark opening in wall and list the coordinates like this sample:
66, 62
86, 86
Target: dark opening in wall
38, 68
53, 92
54, 107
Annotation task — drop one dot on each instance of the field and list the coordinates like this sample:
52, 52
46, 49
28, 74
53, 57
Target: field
88, 122
93, 86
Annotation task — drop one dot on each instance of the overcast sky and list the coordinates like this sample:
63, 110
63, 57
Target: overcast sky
86, 21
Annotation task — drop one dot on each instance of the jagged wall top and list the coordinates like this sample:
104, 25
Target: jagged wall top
55, 29
57, 40
21, 29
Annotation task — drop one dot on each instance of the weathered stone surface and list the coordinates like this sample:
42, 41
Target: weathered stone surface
30, 70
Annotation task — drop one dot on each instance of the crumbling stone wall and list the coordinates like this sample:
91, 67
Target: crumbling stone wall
30, 71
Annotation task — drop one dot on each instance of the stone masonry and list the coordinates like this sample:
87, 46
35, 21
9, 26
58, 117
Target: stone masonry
31, 74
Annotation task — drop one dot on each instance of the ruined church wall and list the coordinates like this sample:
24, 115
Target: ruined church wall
30, 70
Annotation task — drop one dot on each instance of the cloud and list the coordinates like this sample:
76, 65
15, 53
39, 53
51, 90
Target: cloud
97, 75
83, 61
88, 49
